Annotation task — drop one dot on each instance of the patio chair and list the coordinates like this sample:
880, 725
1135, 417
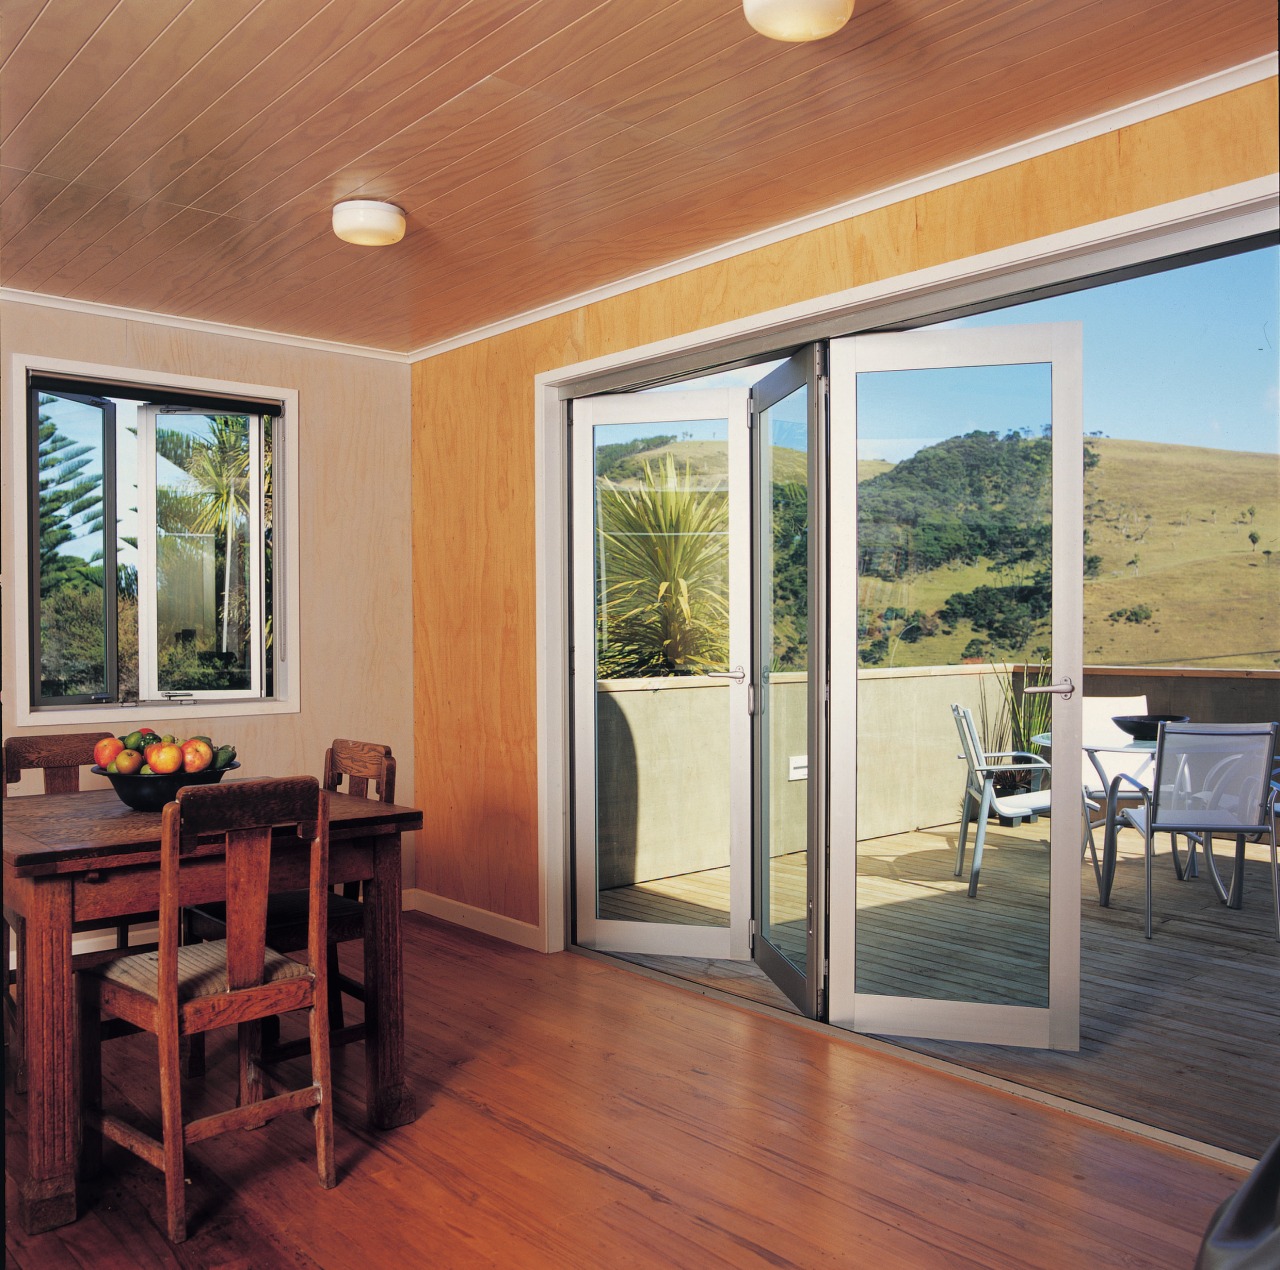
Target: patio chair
1209, 778
1097, 770
183, 991
980, 798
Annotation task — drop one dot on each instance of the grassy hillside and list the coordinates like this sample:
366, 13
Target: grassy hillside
1178, 580
1172, 526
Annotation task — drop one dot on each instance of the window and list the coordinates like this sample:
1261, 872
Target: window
154, 516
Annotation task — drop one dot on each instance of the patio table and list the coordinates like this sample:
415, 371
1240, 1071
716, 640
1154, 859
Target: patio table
83, 856
1146, 749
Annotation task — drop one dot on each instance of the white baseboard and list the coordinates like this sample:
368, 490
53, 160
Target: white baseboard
478, 919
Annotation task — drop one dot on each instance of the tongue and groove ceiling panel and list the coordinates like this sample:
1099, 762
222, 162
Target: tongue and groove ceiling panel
182, 156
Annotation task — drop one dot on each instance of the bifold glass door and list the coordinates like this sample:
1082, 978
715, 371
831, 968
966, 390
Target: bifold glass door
661, 639
790, 671
956, 574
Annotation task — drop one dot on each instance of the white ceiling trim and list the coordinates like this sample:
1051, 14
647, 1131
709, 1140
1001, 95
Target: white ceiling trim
120, 313
1148, 108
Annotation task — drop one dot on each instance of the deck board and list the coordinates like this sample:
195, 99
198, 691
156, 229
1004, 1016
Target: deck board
1181, 1033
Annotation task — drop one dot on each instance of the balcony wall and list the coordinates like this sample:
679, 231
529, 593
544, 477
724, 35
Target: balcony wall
663, 777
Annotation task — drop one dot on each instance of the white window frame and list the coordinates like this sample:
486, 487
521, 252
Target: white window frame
286, 698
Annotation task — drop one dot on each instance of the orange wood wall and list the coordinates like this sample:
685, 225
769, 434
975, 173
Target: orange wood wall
474, 463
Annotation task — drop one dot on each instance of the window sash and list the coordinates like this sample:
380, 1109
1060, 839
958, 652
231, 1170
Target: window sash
111, 689
148, 594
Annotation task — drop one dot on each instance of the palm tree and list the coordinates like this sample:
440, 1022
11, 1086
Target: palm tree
665, 609
218, 465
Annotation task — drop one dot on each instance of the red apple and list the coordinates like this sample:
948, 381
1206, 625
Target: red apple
106, 750
196, 755
163, 759
128, 762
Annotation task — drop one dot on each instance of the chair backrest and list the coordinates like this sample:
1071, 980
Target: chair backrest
362, 763
59, 756
1097, 728
1213, 776
243, 815
974, 755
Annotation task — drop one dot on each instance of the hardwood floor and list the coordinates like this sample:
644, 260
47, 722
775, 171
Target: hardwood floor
1181, 1032
577, 1114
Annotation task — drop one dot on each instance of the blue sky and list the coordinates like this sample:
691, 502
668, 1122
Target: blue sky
1190, 356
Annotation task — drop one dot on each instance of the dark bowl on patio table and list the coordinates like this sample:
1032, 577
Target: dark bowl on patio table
1143, 727
153, 791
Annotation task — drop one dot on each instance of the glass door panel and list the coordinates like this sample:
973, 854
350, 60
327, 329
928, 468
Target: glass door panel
661, 723
956, 584
789, 672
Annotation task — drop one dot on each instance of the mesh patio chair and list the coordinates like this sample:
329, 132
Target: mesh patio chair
1210, 778
980, 798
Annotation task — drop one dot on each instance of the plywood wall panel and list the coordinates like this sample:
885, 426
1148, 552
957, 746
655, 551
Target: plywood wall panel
355, 546
474, 464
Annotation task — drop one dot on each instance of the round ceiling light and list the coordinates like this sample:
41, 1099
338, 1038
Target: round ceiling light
797, 20
368, 223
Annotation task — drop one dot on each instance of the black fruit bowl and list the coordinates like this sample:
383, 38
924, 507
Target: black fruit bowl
151, 792
1143, 727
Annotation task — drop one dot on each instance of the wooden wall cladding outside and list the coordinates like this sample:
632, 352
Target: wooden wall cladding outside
183, 158
474, 464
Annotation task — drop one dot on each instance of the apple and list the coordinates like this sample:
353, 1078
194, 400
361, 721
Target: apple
196, 755
106, 750
128, 762
149, 749
164, 759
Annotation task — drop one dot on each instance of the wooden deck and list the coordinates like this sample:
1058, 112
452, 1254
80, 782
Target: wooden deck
576, 1114
1181, 1033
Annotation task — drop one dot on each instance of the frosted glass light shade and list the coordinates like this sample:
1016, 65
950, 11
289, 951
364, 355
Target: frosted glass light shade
368, 223
797, 20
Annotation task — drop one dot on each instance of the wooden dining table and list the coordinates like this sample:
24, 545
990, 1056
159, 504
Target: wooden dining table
85, 856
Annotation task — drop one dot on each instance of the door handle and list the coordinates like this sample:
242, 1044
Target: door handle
737, 674
1063, 689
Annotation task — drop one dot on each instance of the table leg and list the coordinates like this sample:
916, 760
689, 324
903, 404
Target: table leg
47, 1195
389, 1101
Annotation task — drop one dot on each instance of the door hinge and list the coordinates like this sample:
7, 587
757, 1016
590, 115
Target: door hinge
752, 934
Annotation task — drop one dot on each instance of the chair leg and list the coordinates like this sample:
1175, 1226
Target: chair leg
979, 838
173, 1147
89, 1017
1148, 854
249, 1037
1275, 881
321, 1075
334, 987
195, 1056
13, 1005
966, 814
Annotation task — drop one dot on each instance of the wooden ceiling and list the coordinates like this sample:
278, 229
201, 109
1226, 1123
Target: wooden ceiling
181, 156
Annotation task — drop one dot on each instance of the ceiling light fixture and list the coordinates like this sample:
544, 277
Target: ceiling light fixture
797, 20
368, 223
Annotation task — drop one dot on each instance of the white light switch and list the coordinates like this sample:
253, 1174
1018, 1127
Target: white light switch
798, 768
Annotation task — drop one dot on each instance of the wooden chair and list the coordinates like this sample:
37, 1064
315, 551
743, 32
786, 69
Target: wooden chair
176, 991
369, 771
59, 758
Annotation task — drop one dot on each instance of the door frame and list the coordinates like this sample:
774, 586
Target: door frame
1128, 243
658, 408
1057, 1024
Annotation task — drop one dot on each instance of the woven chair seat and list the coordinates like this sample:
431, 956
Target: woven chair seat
202, 970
